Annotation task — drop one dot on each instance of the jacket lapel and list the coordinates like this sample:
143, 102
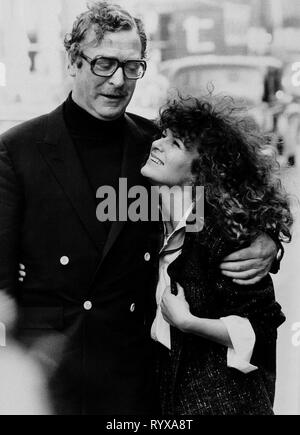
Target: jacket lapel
60, 154
134, 153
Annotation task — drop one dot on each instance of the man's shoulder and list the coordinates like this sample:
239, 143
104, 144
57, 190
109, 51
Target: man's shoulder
26, 132
146, 125
24, 129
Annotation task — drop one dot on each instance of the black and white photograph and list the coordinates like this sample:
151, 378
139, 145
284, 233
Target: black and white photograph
149, 210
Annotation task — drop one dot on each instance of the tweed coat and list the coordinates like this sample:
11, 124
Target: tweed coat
194, 377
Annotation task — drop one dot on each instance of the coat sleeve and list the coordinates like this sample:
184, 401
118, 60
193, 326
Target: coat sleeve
256, 303
10, 214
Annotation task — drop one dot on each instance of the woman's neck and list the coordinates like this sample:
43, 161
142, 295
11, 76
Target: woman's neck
175, 203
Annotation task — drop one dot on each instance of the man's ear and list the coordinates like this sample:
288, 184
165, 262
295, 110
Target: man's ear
72, 67
74, 63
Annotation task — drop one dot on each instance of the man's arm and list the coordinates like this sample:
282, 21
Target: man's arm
10, 214
248, 266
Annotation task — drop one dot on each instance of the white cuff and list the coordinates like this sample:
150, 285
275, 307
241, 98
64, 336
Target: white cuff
160, 330
243, 340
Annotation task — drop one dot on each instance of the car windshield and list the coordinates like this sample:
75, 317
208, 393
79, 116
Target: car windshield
241, 82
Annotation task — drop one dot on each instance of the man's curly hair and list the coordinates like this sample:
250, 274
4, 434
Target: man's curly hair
102, 17
242, 188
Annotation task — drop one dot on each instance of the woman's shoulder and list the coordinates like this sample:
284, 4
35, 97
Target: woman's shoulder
210, 242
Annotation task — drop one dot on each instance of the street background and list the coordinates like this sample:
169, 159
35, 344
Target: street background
249, 49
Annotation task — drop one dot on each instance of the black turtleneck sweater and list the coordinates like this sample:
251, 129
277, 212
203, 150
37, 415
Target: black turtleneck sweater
99, 145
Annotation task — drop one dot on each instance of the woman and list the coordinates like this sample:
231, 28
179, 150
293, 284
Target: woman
218, 353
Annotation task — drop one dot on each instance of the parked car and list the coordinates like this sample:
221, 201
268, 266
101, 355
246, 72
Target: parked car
251, 80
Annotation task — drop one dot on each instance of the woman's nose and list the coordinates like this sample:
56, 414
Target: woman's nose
158, 144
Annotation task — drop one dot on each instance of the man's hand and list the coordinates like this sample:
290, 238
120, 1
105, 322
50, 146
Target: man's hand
175, 309
248, 266
8, 311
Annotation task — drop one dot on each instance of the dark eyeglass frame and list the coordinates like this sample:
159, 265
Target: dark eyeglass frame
93, 62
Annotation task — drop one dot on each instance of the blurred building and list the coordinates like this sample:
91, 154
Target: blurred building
31, 53
180, 28
32, 59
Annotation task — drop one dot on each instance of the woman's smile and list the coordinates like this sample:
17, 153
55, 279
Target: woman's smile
155, 159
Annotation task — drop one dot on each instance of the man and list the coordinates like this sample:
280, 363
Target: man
88, 283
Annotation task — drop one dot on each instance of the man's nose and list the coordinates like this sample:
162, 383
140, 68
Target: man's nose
117, 79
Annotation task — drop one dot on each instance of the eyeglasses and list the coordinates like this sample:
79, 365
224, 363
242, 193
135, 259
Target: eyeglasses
102, 66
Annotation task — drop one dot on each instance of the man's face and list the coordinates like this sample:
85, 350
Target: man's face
106, 98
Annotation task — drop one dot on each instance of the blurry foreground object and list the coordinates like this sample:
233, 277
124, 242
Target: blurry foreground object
23, 383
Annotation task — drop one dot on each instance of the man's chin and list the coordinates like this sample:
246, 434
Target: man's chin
110, 114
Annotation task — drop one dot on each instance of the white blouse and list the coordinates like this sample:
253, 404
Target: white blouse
239, 329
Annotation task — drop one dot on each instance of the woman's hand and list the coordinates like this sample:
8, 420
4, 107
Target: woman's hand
175, 309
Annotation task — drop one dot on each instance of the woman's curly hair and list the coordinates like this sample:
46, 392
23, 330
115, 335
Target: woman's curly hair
242, 187
102, 17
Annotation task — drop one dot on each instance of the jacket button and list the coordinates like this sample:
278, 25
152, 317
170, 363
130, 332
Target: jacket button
132, 308
88, 305
64, 261
147, 256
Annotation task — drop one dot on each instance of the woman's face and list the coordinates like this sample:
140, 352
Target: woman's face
169, 162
